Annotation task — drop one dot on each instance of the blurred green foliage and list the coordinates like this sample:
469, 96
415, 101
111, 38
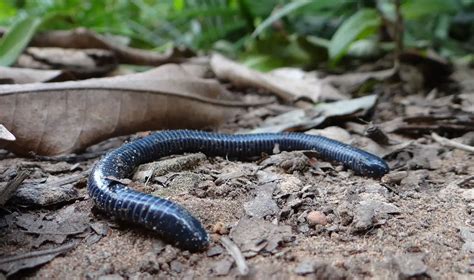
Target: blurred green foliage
266, 33
17, 38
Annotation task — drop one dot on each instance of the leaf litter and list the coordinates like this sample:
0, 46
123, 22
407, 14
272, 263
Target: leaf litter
30, 75
80, 64
415, 222
58, 118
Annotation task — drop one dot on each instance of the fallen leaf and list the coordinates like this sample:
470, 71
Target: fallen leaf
221, 267
81, 38
45, 194
56, 228
7, 190
463, 76
25, 75
263, 204
16, 39
455, 123
60, 118
5, 134
286, 86
253, 235
17, 262
288, 161
301, 119
467, 102
382, 151
347, 82
333, 132
82, 64
367, 213
150, 170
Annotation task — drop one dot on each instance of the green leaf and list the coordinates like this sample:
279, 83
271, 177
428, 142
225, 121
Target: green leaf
261, 62
275, 51
287, 9
421, 8
361, 25
318, 41
16, 39
178, 5
364, 48
7, 11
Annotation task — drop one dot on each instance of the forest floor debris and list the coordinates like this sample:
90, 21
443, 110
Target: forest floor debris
288, 215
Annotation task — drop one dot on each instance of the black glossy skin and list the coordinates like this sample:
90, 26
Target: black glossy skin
173, 222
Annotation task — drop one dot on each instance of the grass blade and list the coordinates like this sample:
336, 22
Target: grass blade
16, 39
361, 24
287, 9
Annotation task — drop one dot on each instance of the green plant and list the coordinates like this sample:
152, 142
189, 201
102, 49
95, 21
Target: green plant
265, 33
16, 39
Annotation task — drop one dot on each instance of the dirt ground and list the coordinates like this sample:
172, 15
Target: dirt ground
290, 215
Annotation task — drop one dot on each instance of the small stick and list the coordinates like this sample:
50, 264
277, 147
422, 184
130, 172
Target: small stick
57, 250
451, 143
7, 191
53, 233
235, 252
377, 134
465, 180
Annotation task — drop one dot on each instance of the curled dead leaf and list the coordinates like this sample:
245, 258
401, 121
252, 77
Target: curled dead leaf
350, 81
5, 134
300, 119
19, 261
82, 64
81, 38
25, 75
60, 118
287, 87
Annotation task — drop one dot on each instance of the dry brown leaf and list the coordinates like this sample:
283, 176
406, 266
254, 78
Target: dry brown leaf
5, 134
88, 63
287, 87
347, 82
59, 118
25, 76
19, 261
301, 119
81, 38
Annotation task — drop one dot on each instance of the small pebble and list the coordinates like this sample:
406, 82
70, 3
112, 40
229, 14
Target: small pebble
215, 251
316, 218
176, 266
394, 177
305, 267
149, 263
220, 228
111, 277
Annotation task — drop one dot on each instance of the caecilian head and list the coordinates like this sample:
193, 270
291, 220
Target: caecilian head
374, 167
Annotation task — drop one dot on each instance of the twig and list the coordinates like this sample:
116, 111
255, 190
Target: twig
375, 133
71, 158
53, 233
11, 187
234, 251
70, 179
465, 180
451, 143
57, 250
